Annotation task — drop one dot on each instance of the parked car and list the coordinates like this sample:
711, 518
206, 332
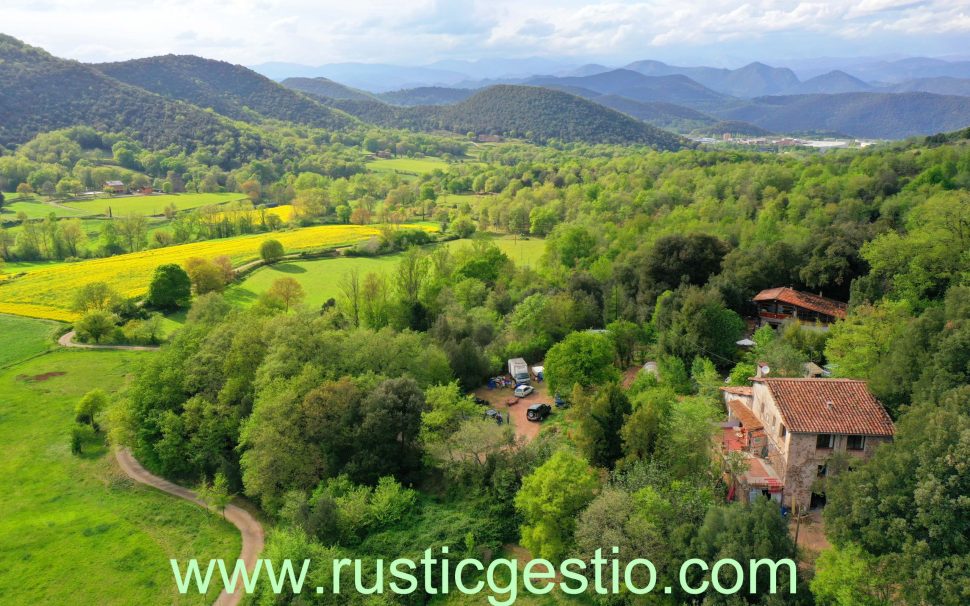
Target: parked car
538, 412
560, 401
522, 391
494, 415
481, 401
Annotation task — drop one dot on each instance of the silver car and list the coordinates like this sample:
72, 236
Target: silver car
523, 390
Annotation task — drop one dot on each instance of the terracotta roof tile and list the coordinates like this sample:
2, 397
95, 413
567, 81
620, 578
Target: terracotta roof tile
806, 300
737, 391
842, 406
745, 415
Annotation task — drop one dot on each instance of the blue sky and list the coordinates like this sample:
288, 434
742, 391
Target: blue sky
416, 32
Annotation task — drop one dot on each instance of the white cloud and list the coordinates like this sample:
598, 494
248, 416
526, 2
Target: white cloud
315, 32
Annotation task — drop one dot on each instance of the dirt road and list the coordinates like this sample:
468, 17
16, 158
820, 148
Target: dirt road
249, 528
67, 340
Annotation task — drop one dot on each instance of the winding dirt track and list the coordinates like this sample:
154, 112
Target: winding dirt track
249, 528
67, 340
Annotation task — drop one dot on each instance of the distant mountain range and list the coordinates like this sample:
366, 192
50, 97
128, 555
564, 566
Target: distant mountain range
189, 100
834, 102
677, 89
752, 80
869, 115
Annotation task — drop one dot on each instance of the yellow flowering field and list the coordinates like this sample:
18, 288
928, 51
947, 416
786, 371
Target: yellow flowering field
48, 292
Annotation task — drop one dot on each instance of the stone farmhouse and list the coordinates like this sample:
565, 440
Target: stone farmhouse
790, 428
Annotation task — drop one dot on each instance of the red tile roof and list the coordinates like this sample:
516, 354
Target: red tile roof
805, 300
842, 406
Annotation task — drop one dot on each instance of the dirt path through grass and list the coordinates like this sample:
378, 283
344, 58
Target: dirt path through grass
250, 529
67, 340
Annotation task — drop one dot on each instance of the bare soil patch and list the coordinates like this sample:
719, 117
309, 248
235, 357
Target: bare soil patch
516, 412
41, 377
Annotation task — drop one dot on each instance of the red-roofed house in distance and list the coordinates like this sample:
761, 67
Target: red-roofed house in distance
792, 427
779, 305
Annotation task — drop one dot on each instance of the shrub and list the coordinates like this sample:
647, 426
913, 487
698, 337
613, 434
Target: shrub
271, 250
89, 406
80, 434
96, 325
170, 287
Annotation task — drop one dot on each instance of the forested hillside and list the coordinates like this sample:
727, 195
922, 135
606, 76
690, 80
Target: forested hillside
230, 90
427, 95
324, 87
533, 113
548, 115
42, 93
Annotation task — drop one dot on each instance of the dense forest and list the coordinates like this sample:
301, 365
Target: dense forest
350, 427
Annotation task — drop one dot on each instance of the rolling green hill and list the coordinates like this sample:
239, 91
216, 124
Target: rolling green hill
41, 92
530, 112
230, 90
547, 114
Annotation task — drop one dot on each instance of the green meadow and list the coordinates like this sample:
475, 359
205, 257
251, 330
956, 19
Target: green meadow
408, 166
74, 529
150, 205
35, 209
320, 278
23, 338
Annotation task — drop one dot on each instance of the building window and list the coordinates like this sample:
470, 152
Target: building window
855, 443
783, 432
822, 471
825, 441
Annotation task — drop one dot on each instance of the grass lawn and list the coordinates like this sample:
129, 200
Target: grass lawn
24, 338
320, 278
408, 166
36, 209
522, 251
74, 529
150, 205
172, 322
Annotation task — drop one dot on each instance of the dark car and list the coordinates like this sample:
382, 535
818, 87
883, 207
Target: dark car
538, 412
481, 401
494, 415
